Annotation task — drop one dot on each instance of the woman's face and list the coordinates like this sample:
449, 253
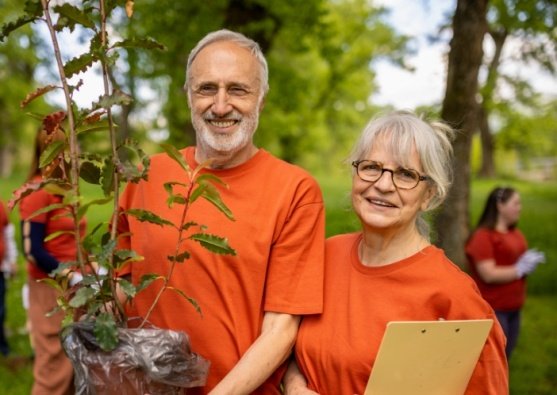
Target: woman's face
509, 211
382, 207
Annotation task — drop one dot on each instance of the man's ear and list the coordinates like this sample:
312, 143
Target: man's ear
188, 95
262, 104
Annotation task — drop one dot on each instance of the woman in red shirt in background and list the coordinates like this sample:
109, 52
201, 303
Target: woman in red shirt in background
500, 260
52, 370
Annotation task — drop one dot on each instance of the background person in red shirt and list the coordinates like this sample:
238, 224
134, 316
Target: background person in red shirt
500, 260
8, 268
52, 370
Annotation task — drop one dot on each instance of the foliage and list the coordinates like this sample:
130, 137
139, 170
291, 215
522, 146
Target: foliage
65, 161
18, 62
523, 32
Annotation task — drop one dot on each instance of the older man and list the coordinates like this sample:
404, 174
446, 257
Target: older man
251, 303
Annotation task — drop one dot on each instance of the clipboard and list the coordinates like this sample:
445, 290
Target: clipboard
427, 357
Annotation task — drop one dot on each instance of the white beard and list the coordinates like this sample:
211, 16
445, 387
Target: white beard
225, 142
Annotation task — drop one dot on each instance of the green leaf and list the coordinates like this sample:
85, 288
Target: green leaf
51, 152
178, 199
212, 196
74, 14
79, 64
189, 299
106, 331
128, 288
216, 244
97, 202
146, 280
148, 216
82, 296
33, 8
123, 257
107, 178
90, 241
180, 257
90, 172
9, 27
198, 191
176, 156
106, 251
52, 283
46, 209
116, 98
188, 225
208, 177
54, 235
144, 43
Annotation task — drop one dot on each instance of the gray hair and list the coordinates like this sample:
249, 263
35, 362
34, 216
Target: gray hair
242, 41
431, 139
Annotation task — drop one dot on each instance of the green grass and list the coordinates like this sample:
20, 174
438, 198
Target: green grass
534, 361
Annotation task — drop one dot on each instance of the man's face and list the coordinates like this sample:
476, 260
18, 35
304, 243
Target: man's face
225, 97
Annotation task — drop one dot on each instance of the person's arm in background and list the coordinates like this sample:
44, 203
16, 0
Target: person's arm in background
263, 357
10, 257
33, 234
490, 273
294, 381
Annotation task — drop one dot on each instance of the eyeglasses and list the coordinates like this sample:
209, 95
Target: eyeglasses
371, 171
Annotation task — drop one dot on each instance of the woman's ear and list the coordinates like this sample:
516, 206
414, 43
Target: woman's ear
429, 193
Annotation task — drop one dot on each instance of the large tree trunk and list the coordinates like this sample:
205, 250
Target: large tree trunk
460, 110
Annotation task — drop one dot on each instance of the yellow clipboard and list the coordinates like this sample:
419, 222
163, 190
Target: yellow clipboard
427, 357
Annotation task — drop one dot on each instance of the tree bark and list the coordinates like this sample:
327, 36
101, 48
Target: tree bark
460, 111
487, 169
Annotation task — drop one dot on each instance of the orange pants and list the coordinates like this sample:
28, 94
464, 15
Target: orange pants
52, 370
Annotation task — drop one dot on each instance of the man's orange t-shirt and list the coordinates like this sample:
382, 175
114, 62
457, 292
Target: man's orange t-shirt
336, 350
278, 234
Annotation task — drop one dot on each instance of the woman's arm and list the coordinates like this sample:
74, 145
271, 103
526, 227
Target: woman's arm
490, 273
33, 234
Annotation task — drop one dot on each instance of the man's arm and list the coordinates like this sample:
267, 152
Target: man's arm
270, 349
294, 381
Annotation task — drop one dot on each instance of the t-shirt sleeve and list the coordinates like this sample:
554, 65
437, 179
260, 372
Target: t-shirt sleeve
295, 276
480, 247
30, 204
490, 375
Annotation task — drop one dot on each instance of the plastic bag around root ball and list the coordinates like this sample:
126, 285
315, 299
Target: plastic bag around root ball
146, 361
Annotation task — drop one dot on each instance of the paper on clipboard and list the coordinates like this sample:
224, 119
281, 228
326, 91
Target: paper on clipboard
427, 357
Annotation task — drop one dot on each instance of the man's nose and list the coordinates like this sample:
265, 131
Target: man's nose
221, 103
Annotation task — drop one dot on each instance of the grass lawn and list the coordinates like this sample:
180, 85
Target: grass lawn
533, 367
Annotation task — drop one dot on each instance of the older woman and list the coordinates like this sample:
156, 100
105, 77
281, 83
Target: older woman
389, 271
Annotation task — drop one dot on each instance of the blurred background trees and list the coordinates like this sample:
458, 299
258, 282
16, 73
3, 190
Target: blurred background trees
321, 55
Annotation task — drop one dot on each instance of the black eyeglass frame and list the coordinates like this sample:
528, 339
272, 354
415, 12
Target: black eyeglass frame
420, 178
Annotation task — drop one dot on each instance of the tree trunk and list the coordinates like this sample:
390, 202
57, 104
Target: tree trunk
6, 160
487, 169
460, 111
